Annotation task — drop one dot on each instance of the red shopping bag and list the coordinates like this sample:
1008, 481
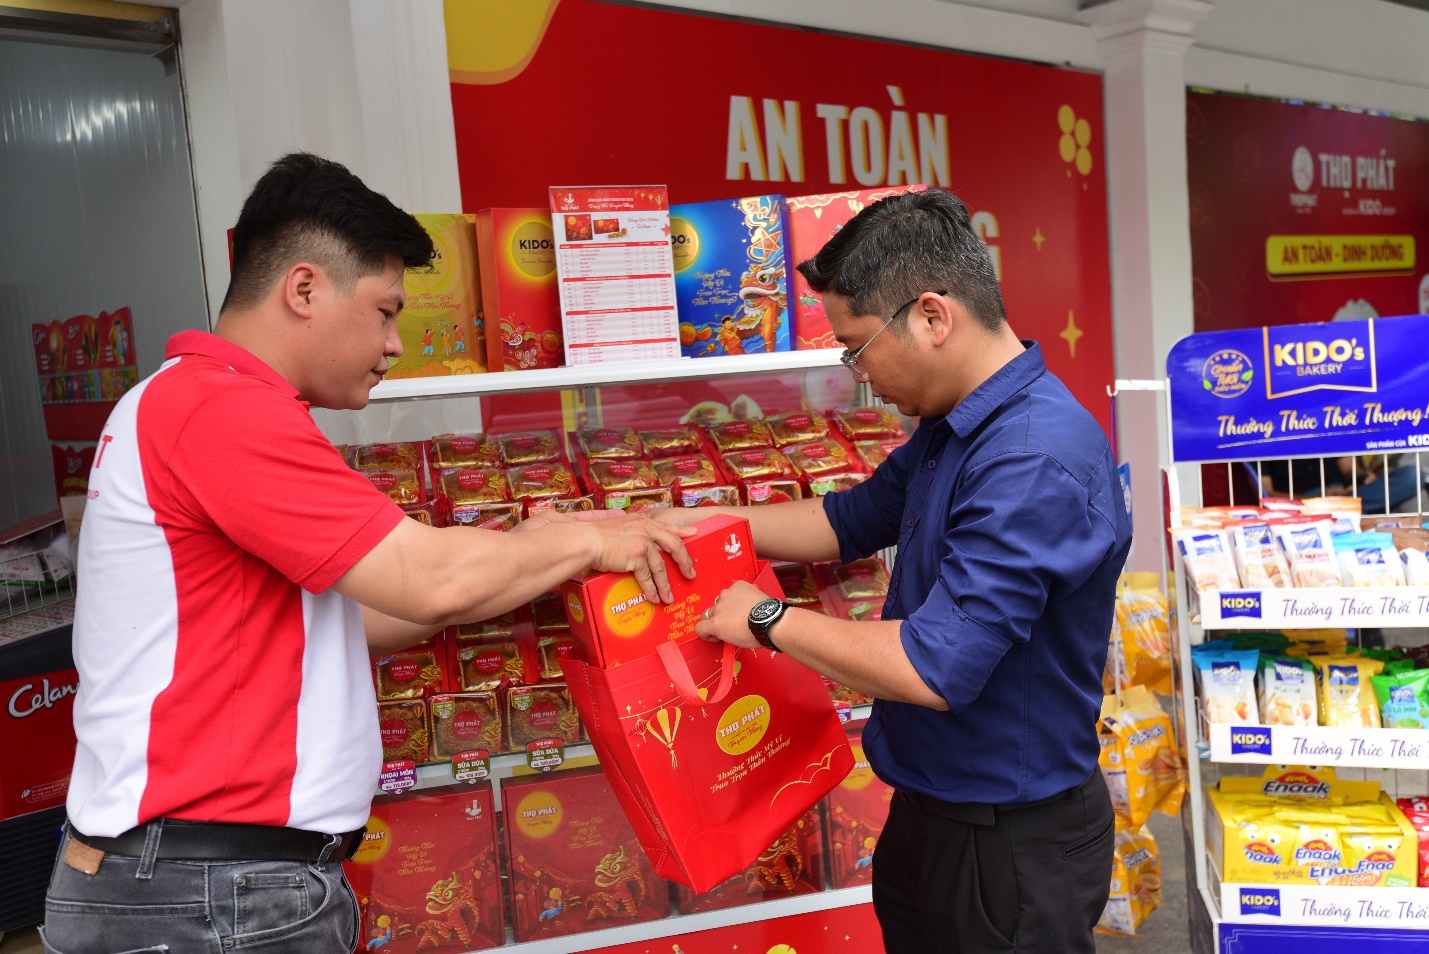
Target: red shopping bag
713, 751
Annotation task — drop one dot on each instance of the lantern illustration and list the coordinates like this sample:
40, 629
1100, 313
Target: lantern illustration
664, 727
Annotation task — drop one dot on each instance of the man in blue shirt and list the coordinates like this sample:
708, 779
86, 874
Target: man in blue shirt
1006, 511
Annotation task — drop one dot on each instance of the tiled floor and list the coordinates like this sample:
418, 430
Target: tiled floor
22, 941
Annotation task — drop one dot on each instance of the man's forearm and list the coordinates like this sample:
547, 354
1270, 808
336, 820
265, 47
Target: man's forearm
527, 565
868, 656
798, 532
387, 634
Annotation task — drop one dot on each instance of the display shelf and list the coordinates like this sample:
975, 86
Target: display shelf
1317, 905
604, 375
678, 924
1320, 745
1323, 608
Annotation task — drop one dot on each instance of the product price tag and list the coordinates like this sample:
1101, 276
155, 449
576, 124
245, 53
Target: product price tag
397, 776
543, 755
843, 710
471, 766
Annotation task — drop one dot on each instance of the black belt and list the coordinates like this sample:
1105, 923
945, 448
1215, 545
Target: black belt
981, 813
221, 841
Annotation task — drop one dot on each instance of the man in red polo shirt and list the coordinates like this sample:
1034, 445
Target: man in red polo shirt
236, 573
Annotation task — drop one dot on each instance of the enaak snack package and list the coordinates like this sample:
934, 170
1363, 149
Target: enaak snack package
792, 865
854, 815
1310, 549
575, 863
1416, 810
427, 873
1135, 883
1287, 691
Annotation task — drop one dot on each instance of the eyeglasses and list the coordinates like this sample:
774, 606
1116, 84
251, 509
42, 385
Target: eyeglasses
849, 359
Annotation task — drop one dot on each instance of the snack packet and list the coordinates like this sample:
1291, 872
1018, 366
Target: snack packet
1416, 567
465, 450
1207, 556
758, 464
721, 496
474, 485
740, 435
783, 490
609, 443
401, 484
1287, 691
1155, 774
867, 423
1345, 512
873, 453
1346, 695
1141, 634
528, 447
671, 442
1368, 559
1258, 557
691, 470
1403, 699
1227, 679
819, 458
797, 427
1135, 883
404, 454
1310, 549
616, 475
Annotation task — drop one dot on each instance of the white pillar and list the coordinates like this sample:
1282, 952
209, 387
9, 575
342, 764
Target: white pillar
1142, 46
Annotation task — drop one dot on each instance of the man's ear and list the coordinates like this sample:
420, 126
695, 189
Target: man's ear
939, 313
299, 283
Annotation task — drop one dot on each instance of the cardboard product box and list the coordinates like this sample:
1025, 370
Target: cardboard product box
573, 860
519, 289
813, 220
614, 623
855, 815
441, 324
792, 865
1320, 854
427, 876
36, 741
730, 279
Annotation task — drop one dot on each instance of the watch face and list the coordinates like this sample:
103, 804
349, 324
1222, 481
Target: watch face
764, 611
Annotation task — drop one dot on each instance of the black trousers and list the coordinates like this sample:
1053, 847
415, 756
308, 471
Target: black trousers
969, 879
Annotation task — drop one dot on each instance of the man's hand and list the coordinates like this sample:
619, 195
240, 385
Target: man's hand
728, 618
632, 543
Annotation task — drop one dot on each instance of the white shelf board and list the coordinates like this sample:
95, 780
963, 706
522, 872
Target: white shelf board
1320, 745
1313, 905
1326, 607
677, 924
610, 374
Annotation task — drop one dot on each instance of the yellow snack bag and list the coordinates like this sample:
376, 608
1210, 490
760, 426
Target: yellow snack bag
1143, 619
1346, 695
1307, 642
1155, 777
1317, 845
1135, 883
1370, 854
1111, 763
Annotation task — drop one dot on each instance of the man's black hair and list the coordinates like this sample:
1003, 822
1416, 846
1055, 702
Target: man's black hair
904, 245
306, 208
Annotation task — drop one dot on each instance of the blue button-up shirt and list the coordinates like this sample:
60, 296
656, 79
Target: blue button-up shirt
1011, 532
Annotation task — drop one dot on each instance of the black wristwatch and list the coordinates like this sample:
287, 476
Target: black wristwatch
764, 615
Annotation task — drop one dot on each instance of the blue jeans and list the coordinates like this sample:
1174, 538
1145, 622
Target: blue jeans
144, 904
1403, 490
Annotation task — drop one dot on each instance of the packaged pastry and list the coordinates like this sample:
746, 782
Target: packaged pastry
671, 441
1368, 559
864, 611
819, 458
1346, 694
866, 423
796, 427
488, 516
1258, 557
1135, 883
758, 464
490, 665
399, 483
616, 475
1345, 513
465, 722
1227, 681
388, 455
1207, 555
1140, 652
543, 480
403, 725
1287, 691
720, 496
861, 579
783, 490
1403, 699
873, 453
1410, 538
465, 450
561, 504
1310, 549
740, 435
548, 613
833, 483
1152, 775
691, 470
550, 650
609, 443
528, 447
474, 485
540, 712
636, 501
798, 583
409, 675
1416, 567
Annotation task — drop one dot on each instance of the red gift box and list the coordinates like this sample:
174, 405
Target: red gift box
615, 624
856, 812
573, 859
427, 875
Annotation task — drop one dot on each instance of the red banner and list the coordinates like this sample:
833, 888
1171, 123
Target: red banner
1304, 213
579, 92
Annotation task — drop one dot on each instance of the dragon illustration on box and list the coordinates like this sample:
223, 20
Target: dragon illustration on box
618, 878
452, 902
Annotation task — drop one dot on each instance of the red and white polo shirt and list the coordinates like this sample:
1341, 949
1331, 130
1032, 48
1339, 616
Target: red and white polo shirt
221, 678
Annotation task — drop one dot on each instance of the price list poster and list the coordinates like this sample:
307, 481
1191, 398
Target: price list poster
616, 272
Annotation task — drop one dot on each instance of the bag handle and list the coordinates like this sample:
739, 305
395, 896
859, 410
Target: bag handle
679, 672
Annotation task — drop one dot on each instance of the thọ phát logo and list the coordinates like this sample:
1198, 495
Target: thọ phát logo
1227, 373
